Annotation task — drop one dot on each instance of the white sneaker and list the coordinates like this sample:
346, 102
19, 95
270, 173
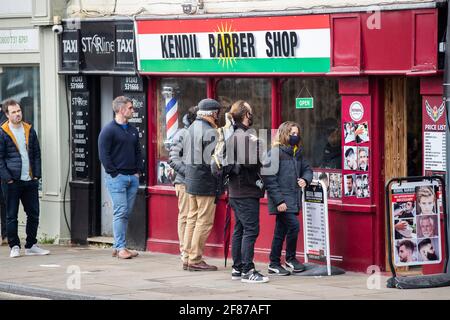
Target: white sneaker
15, 252
36, 251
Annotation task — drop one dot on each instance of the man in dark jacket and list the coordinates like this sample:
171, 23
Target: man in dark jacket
177, 163
120, 154
244, 193
3, 119
20, 170
201, 185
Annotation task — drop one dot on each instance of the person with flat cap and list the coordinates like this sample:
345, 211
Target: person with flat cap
200, 184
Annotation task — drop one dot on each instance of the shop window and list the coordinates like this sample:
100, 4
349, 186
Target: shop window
22, 85
319, 124
257, 92
179, 93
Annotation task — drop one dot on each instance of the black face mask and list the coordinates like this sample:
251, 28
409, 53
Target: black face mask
294, 140
432, 256
250, 119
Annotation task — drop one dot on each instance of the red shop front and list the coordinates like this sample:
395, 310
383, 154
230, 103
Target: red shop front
366, 73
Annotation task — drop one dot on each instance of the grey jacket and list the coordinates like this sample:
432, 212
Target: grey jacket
177, 157
199, 146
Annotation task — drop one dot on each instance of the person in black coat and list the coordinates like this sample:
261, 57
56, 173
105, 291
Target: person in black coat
286, 172
3, 119
20, 171
245, 190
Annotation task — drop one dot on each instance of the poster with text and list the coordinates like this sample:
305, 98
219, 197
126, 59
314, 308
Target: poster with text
415, 223
315, 211
433, 130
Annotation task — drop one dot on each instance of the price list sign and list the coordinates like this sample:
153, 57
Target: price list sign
316, 227
433, 130
80, 127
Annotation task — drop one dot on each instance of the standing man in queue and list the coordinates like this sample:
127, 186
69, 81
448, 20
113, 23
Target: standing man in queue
120, 154
20, 171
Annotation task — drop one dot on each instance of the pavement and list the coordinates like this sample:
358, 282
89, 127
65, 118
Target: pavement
90, 273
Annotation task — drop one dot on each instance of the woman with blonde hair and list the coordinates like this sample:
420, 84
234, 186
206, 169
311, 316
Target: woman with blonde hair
284, 194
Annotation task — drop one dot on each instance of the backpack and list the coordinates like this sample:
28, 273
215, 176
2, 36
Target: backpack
220, 168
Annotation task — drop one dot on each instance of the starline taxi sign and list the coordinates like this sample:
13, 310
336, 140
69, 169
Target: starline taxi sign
291, 44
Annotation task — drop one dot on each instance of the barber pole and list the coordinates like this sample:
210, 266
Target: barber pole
171, 112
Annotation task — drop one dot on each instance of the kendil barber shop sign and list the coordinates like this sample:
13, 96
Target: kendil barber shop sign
291, 44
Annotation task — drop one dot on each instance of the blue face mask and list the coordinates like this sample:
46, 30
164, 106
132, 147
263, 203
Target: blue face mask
294, 140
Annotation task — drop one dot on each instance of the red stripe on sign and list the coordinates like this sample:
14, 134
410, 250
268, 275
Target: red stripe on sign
172, 120
236, 25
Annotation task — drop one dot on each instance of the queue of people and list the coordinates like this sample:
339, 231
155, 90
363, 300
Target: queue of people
198, 186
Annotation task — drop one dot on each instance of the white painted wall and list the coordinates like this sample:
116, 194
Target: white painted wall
106, 85
97, 8
54, 142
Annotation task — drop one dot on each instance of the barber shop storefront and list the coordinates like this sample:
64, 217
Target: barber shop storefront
357, 89
98, 62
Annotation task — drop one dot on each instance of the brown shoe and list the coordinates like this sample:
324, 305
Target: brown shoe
201, 266
185, 265
124, 254
133, 253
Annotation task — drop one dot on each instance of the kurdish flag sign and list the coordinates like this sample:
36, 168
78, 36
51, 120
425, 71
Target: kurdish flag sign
289, 44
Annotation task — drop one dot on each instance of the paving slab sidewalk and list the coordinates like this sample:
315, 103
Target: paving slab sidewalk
91, 273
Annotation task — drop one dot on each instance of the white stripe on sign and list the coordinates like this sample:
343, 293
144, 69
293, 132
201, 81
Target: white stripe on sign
313, 43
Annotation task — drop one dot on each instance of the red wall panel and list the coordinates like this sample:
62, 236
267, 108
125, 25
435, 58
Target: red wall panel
424, 40
345, 43
389, 42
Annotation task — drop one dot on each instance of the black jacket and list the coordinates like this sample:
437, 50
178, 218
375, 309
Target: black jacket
199, 146
246, 161
10, 159
281, 185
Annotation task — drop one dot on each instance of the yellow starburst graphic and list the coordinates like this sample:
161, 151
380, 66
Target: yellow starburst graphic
227, 59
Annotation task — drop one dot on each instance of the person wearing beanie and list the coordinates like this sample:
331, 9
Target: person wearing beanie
201, 185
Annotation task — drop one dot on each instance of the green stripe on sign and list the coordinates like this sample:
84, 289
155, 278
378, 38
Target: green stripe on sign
289, 65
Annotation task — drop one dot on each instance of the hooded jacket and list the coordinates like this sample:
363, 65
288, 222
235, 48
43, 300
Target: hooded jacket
10, 159
282, 186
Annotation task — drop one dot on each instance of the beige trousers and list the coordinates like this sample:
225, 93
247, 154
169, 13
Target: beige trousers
183, 210
200, 220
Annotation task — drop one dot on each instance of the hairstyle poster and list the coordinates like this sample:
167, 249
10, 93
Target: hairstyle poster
415, 224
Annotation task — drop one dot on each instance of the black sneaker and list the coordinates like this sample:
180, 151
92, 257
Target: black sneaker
236, 274
278, 270
254, 276
295, 265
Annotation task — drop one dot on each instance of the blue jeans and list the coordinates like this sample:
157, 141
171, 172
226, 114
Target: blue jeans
246, 230
122, 189
286, 226
27, 193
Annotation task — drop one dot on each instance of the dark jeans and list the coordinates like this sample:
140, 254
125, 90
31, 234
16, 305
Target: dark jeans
246, 230
287, 226
27, 193
2, 215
